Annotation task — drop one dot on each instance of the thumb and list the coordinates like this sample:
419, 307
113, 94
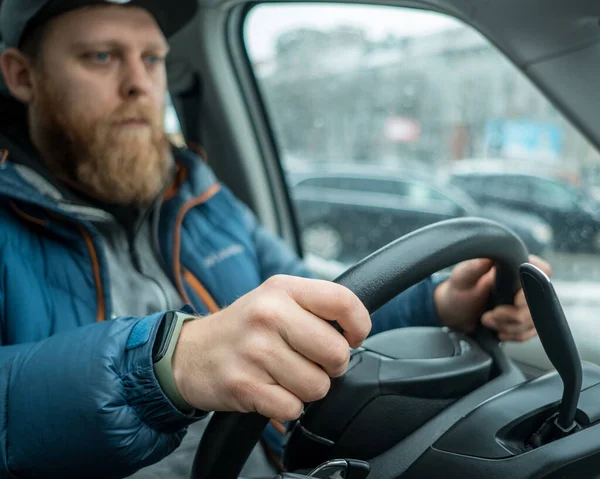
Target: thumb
466, 275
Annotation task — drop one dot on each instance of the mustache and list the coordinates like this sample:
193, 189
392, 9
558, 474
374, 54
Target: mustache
136, 112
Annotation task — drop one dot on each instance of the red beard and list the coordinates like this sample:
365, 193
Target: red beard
108, 160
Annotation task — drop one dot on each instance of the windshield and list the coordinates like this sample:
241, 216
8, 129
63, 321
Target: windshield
422, 97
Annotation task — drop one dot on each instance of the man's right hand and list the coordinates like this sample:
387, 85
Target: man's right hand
272, 349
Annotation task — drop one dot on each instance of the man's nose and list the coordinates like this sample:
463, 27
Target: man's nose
136, 78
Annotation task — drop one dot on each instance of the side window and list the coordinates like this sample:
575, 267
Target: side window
405, 94
172, 125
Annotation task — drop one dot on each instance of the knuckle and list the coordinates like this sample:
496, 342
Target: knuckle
314, 387
259, 348
278, 282
264, 312
365, 326
320, 388
339, 356
347, 301
488, 319
292, 411
243, 392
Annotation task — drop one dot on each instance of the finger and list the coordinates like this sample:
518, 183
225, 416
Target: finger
519, 338
276, 402
303, 378
467, 274
317, 341
507, 319
541, 263
486, 282
329, 301
520, 300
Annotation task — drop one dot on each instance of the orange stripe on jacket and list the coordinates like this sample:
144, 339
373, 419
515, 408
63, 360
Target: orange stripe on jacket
27, 217
101, 312
201, 291
177, 182
101, 308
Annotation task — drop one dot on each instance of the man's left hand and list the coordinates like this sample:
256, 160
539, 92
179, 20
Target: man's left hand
461, 301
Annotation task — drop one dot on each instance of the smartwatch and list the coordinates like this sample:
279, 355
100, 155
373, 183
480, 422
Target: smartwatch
162, 355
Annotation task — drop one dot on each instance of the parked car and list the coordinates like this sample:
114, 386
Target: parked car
346, 215
575, 221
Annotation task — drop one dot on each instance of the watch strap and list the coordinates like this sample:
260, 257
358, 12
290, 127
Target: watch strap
163, 368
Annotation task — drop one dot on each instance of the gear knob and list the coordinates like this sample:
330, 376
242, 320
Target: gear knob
556, 338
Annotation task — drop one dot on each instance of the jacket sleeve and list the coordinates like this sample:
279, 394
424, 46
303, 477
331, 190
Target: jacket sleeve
413, 307
85, 404
273, 254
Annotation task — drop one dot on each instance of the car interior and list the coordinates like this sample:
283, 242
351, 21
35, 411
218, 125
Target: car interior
415, 403
220, 107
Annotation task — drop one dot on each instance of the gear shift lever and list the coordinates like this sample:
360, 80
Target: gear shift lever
557, 340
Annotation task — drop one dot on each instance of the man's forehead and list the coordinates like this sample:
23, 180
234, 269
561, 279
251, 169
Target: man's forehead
108, 23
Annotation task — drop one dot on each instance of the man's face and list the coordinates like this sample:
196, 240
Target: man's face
97, 106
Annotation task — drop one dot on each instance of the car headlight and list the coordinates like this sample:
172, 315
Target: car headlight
542, 233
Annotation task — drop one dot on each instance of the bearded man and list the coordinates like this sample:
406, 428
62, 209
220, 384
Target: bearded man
137, 294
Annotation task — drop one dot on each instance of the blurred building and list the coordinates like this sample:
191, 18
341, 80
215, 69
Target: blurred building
435, 99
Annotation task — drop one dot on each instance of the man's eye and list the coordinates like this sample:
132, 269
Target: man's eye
99, 57
153, 59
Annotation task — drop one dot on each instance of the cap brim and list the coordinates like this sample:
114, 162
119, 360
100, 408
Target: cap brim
171, 15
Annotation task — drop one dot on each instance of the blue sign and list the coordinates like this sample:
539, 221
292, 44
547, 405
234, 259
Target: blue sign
523, 139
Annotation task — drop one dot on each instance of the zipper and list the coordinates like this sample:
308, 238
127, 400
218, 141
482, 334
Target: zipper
153, 240
177, 273
177, 268
154, 243
136, 262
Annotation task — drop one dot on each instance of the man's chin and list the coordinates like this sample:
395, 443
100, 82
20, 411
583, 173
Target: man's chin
115, 191
127, 172
127, 130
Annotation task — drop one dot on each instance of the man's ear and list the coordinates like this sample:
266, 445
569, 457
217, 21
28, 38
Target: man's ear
17, 71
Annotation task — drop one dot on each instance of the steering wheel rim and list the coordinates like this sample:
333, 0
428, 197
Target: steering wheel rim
230, 437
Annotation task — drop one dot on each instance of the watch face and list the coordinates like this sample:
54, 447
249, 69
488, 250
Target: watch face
163, 336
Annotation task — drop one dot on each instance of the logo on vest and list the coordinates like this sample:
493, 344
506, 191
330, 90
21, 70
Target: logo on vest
223, 254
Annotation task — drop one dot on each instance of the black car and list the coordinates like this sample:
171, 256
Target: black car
347, 215
574, 219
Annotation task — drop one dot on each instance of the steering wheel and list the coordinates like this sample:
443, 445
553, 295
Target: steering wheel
230, 437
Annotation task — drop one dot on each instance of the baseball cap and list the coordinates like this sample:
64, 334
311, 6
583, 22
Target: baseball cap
17, 17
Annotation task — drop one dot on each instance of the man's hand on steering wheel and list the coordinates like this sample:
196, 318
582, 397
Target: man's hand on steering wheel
272, 350
461, 301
